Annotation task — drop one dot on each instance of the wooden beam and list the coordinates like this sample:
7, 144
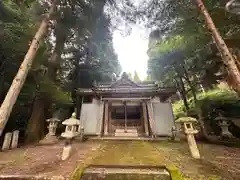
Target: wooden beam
124, 99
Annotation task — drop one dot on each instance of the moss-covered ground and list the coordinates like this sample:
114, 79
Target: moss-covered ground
174, 156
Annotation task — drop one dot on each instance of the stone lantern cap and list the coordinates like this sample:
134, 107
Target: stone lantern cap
186, 120
71, 127
221, 118
72, 120
53, 119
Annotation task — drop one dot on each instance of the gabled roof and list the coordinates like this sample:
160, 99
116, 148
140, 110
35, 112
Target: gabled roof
126, 87
124, 81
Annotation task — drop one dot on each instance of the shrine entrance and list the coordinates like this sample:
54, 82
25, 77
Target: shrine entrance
126, 117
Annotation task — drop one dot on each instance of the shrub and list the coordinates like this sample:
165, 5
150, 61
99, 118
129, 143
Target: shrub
211, 103
221, 98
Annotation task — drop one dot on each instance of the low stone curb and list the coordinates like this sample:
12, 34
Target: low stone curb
30, 177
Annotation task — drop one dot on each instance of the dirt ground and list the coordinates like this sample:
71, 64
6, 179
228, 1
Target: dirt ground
44, 160
218, 162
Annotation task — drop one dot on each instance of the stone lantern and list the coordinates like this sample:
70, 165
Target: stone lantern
51, 135
53, 122
71, 130
224, 123
187, 126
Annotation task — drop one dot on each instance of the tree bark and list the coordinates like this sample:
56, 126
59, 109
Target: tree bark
35, 128
222, 47
182, 91
190, 84
21, 75
54, 61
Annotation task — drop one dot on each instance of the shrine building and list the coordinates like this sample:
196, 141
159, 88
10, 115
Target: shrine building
126, 108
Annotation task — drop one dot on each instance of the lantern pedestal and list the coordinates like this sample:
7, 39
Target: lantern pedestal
189, 131
67, 149
71, 130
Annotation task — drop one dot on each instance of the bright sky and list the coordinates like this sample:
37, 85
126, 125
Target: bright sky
132, 50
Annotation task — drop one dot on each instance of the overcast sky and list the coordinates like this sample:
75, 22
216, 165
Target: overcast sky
132, 50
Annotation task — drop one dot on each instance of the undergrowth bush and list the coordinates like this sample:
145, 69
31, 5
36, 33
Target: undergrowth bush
211, 103
218, 97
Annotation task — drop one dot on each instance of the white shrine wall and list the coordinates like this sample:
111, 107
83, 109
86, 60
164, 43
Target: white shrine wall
91, 117
162, 115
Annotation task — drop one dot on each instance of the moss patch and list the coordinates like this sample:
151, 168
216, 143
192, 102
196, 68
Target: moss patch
130, 153
175, 173
126, 153
77, 173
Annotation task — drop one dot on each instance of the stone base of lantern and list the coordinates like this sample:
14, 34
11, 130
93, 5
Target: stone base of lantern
67, 149
225, 133
226, 137
49, 139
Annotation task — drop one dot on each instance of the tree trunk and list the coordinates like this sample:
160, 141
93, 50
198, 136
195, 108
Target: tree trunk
222, 47
182, 91
35, 128
20, 78
54, 61
190, 84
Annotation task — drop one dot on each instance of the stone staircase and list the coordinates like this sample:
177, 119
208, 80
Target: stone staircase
126, 133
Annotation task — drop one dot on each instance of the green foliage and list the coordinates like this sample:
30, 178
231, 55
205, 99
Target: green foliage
50, 88
210, 104
181, 27
78, 47
136, 77
217, 97
161, 46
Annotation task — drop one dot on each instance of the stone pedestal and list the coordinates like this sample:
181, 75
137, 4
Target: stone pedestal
189, 131
174, 133
67, 150
81, 133
7, 141
193, 146
15, 136
71, 130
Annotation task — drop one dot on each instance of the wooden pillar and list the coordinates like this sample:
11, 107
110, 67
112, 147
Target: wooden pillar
150, 113
110, 127
78, 105
145, 119
106, 119
125, 116
101, 117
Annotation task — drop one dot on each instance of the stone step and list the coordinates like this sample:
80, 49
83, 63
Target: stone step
30, 177
126, 134
126, 131
126, 172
